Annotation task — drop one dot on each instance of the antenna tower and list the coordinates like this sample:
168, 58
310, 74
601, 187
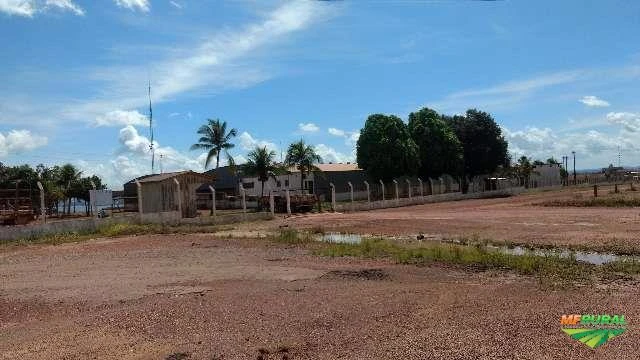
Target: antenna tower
151, 149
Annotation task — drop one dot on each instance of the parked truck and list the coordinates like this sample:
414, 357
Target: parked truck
300, 201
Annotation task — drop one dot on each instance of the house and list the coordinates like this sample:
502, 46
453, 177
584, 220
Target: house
227, 185
317, 182
159, 193
545, 175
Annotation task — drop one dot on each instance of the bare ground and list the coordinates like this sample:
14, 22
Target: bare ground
209, 297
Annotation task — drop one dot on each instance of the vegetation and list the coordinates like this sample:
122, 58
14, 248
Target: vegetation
261, 163
291, 237
484, 146
551, 270
385, 149
61, 184
215, 139
611, 201
523, 169
303, 157
439, 148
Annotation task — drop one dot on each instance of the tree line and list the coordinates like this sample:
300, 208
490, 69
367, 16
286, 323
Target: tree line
431, 144
61, 184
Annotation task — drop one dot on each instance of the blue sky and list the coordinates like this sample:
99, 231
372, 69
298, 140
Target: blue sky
557, 75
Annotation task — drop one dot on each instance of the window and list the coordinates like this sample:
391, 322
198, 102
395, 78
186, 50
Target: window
286, 183
308, 184
247, 185
278, 183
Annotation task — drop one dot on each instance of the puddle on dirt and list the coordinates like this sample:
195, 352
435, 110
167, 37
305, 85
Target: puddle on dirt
588, 257
341, 238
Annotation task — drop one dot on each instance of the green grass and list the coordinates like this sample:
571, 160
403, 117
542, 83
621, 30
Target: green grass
114, 230
610, 201
551, 270
292, 237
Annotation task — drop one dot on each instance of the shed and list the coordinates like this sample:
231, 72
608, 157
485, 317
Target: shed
159, 192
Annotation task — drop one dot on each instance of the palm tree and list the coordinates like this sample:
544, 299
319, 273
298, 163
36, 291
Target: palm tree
68, 175
302, 156
261, 163
215, 139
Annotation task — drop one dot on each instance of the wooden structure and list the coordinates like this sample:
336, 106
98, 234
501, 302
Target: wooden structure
168, 192
16, 207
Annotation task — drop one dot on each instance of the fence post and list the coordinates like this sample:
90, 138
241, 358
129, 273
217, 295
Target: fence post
395, 183
351, 193
595, 190
213, 200
431, 192
288, 201
139, 189
409, 188
272, 204
43, 211
421, 189
441, 185
244, 204
179, 197
366, 184
333, 197
382, 186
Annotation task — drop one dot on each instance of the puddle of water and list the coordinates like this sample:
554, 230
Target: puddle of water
341, 238
588, 257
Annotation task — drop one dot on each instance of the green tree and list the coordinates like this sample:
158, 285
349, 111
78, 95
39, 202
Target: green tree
385, 149
439, 147
524, 169
553, 161
484, 146
215, 139
68, 176
303, 157
261, 163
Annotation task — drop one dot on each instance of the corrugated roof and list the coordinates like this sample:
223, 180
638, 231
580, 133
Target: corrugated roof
169, 175
331, 167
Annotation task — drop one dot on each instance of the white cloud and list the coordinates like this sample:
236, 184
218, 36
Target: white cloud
310, 127
122, 118
142, 5
175, 4
336, 132
248, 143
329, 154
594, 101
18, 7
29, 8
18, 141
629, 121
350, 137
594, 149
65, 5
224, 60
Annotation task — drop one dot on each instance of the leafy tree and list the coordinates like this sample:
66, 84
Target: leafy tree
303, 157
261, 163
440, 149
484, 146
69, 174
215, 139
553, 161
538, 162
524, 169
385, 149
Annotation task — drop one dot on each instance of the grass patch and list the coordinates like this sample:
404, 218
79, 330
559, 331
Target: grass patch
551, 270
113, 230
613, 201
292, 237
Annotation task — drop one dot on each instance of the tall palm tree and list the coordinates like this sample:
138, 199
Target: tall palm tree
261, 163
68, 175
302, 156
215, 139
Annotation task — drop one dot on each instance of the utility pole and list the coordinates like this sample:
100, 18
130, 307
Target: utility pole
574, 167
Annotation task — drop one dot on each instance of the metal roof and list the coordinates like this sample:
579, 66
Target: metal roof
169, 175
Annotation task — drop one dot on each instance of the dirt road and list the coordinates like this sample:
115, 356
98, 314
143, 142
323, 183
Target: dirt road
202, 297
517, 219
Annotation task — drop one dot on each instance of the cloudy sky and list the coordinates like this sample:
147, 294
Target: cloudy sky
558, 76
